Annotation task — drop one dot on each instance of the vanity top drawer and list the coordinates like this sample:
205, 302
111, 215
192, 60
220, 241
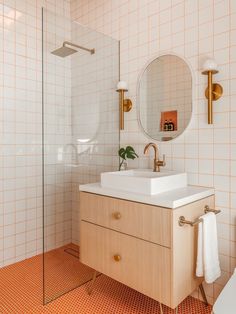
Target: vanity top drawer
141, 265
143, 221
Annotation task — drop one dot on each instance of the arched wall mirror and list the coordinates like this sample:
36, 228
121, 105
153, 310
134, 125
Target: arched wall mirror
165, 97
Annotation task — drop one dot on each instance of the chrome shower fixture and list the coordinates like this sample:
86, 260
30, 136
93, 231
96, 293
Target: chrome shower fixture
65, 51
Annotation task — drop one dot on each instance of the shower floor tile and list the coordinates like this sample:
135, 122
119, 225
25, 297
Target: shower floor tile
21, 288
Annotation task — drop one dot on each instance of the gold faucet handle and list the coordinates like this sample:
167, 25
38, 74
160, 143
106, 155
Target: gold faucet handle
162, 163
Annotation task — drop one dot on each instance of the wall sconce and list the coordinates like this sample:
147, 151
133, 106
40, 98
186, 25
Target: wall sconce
125, 104
214, 91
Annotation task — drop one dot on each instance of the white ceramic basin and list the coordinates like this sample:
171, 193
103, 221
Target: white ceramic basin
144, 181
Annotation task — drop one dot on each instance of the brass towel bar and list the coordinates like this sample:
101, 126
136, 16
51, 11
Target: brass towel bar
183, 221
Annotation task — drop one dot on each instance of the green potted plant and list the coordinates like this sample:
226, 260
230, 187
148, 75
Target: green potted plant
124, 154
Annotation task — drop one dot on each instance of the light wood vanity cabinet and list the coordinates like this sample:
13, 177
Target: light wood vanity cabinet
136, 219
142, 245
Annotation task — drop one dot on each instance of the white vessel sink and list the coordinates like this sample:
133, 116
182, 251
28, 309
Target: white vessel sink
144, 181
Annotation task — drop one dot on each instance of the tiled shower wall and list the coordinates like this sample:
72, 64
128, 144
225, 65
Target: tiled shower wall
195, 29
95, 114
21, 129
56, 116
81, 134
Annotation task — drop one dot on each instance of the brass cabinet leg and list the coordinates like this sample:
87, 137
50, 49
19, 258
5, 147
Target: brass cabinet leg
203, 294
90, 288
161, 310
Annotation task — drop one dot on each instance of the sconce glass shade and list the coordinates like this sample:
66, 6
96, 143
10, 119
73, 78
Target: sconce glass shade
210, 65
122, 85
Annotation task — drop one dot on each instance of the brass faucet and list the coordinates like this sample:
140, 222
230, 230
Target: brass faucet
157, 163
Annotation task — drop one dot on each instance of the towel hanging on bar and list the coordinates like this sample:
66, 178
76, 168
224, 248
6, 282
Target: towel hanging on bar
208, 264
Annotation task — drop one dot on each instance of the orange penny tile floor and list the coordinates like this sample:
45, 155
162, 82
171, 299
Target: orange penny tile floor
21, 290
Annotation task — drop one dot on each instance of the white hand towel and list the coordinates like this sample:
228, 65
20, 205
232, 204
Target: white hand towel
208, 264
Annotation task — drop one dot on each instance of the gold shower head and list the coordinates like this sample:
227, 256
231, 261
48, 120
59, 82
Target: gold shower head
65, 51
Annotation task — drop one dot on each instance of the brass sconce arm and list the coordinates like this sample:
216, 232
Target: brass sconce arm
213, 91
125, 105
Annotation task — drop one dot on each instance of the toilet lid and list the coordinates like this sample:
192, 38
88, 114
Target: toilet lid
226, 302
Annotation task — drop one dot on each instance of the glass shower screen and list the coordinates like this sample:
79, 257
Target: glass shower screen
80, 133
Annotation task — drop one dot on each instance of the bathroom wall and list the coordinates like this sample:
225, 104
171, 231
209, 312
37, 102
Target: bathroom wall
95, 116
21, 130
195, 30
57, 149
81, 128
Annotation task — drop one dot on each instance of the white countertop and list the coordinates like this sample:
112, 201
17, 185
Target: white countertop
171, 199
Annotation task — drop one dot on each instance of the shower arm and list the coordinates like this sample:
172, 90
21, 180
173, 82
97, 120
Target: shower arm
92, 51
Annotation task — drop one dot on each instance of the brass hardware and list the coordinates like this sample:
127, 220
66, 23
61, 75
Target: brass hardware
213, 92
217, 91
161, 163
183, 221
203, 294
117, 215
125, 106
208, 209
157, 163
92, 51
117, 257
161, 309
90, 289
65, 51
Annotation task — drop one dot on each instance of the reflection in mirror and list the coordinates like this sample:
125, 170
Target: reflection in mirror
165, 97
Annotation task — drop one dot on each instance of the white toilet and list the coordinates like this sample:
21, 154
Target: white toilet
226, 301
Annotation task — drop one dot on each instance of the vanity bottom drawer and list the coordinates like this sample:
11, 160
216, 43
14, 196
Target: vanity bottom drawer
139, 264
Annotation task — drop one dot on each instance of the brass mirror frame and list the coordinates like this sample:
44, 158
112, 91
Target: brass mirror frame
193, 98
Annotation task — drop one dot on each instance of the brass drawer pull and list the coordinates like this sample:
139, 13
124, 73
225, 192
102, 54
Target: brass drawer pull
117, 257
117, 215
